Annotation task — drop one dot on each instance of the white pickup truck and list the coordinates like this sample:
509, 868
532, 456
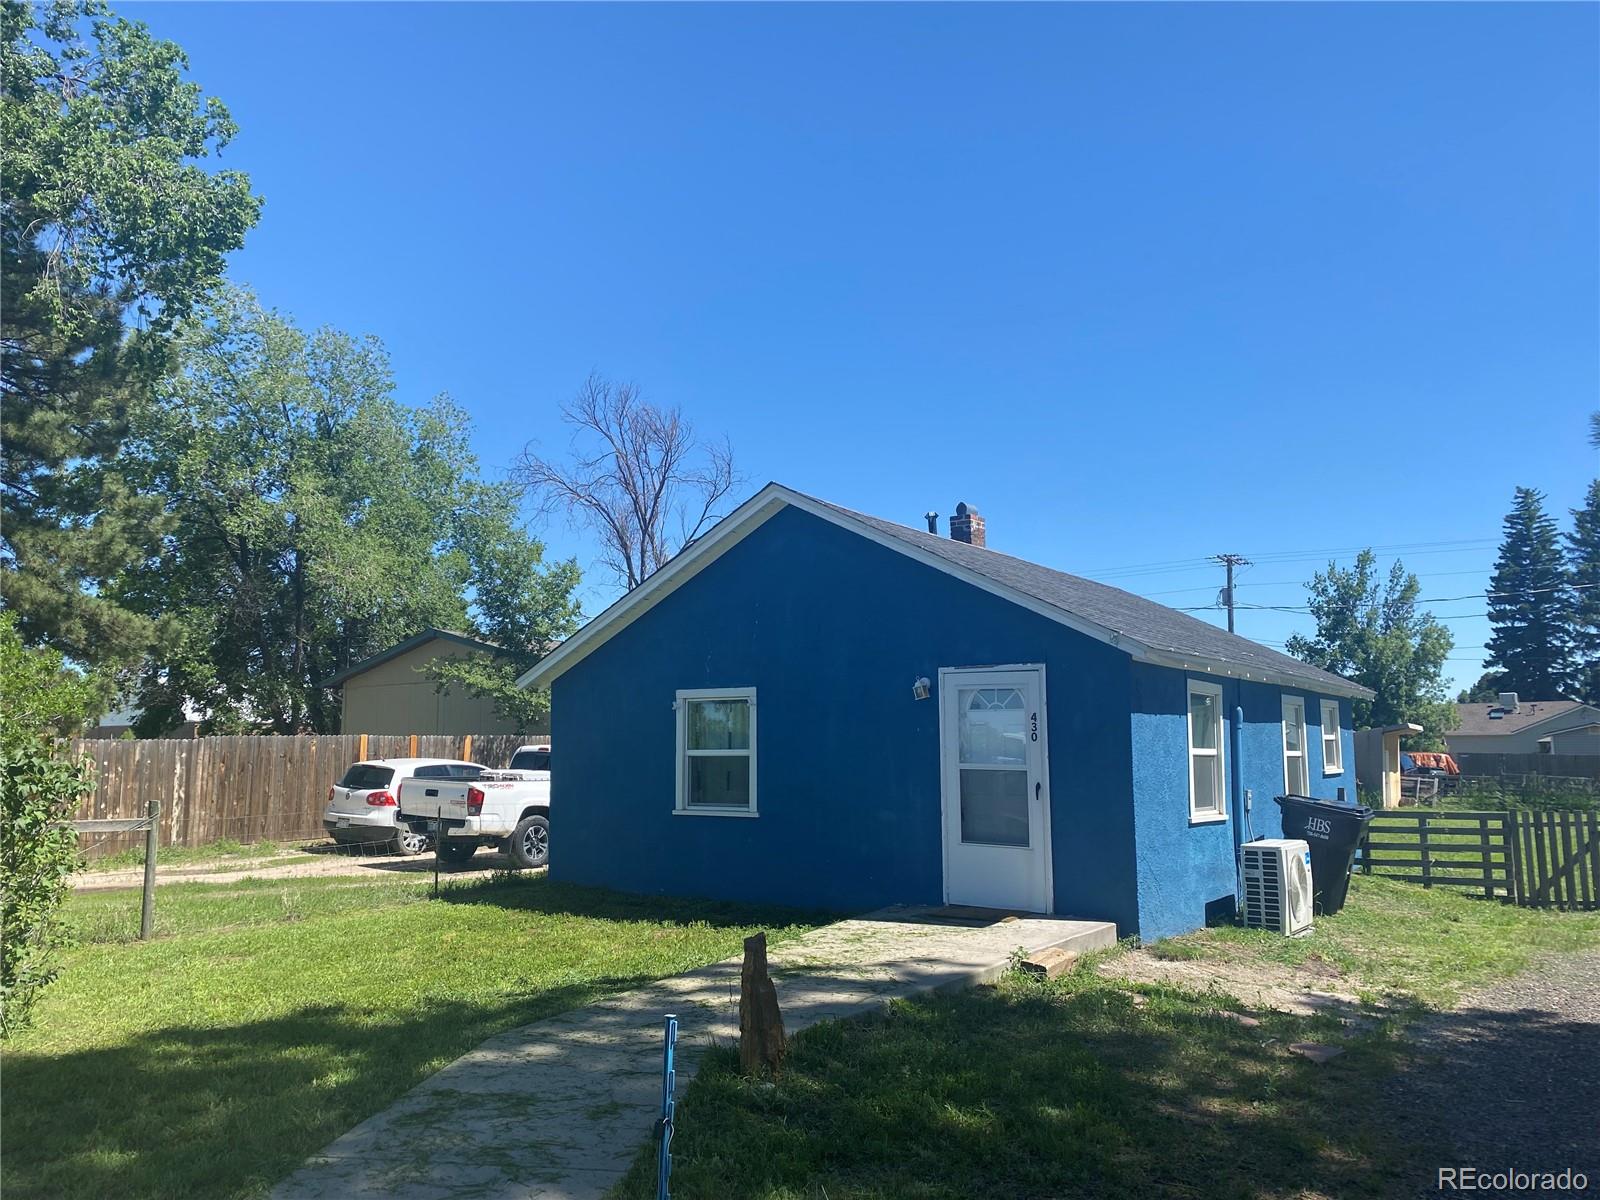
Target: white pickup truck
509, 810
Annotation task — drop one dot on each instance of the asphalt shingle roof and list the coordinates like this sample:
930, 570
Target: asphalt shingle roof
1474, 719
1154, 625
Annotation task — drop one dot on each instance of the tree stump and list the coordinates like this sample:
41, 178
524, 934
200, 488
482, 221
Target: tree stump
760, 1022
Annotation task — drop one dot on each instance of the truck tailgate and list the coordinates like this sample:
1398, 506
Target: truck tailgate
433, 798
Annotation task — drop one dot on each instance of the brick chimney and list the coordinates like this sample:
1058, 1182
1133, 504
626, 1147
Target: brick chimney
966, 525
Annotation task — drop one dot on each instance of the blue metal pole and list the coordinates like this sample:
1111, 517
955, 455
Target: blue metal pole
669, 1104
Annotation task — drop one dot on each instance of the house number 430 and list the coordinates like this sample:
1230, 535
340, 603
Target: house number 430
1033, 727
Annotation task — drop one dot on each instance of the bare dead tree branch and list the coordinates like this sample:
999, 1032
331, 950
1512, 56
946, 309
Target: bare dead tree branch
636, 475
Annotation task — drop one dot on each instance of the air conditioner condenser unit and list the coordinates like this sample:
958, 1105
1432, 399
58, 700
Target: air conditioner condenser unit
1277, 885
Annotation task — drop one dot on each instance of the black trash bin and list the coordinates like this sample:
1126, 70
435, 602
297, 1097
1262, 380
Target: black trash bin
1333, 831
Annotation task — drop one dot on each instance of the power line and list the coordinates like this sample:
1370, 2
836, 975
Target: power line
1300, 608
1266, 583
1452, 546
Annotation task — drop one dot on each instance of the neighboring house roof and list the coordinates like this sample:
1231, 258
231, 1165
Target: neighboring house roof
1148, 631
411, 643
1473, 720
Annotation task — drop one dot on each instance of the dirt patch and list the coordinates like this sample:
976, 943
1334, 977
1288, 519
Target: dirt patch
1307, 990
317, 862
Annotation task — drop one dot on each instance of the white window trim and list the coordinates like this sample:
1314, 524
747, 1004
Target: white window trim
1214, 690
682, 809
1293, 704
1335, 765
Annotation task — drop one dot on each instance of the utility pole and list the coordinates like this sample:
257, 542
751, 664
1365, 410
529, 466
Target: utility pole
1230, 561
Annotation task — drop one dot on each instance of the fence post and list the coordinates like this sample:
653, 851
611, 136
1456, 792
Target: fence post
1511, 841
152, 837
1422, 847
466, 747
1594, 860
1542, 825
1484, 852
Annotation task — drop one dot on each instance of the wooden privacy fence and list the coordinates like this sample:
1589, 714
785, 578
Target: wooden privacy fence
1569, 766
250, 788
1541, 859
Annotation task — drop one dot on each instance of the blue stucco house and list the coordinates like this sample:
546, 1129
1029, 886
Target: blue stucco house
816, 707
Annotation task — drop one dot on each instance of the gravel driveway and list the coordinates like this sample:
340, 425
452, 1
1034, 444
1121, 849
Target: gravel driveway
1510, 1078
322, 862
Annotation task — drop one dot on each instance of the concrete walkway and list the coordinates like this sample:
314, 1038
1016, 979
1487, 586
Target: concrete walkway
559, 1108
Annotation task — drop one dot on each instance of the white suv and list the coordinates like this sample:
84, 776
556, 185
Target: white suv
363, 804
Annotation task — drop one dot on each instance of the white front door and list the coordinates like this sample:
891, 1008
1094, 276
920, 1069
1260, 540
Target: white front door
996, 787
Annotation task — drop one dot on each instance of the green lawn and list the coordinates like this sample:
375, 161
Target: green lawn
272, 1015
1401, 940
1071, 1089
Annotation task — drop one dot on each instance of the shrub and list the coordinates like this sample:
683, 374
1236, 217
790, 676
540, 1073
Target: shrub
39, 789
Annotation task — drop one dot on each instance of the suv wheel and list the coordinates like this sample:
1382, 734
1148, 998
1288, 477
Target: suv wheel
408, 842
529, 845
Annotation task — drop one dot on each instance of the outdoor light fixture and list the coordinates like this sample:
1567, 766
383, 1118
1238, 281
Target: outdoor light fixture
920, 689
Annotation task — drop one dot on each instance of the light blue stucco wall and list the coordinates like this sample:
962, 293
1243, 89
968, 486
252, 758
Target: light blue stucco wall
832, 630
1187, 872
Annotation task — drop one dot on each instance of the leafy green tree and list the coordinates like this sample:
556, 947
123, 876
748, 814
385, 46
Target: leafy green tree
1530, 609
1373, 634
1583, 572
110, 230
1488, 688
518, 604
315, 519
40, 701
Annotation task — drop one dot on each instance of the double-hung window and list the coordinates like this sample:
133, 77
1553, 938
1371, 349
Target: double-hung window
717, 752
1208, 795
1295, 781
1332, 747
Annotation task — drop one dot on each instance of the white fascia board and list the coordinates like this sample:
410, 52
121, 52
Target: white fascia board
976, 578
688, 563
1334, 687
1140, 651
761, 507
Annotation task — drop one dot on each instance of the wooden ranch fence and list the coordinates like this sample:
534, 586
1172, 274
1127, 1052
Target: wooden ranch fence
1450, 849
1558, 858
1541, 859
249, 788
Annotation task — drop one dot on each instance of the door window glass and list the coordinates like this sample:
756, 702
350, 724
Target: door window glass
993, 726
992, 733
994, 807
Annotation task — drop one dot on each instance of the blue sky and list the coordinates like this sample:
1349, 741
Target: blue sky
1140, 283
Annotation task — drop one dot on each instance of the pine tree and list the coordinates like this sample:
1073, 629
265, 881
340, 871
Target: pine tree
1583, 561
1530, 605
110, 229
